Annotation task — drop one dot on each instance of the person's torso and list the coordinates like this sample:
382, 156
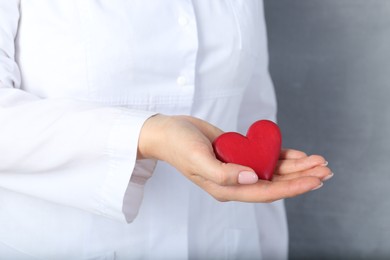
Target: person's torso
174, 57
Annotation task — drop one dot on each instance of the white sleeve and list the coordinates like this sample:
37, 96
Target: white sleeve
66, 151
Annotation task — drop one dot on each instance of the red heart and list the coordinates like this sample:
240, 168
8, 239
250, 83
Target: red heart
259, 149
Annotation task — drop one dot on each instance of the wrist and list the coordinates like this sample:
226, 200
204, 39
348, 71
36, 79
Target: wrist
151, 136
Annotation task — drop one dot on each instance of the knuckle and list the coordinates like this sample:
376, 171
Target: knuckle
317, 158
221, 178
297, 164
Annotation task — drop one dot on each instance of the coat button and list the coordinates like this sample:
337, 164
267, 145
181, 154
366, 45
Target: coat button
181, 81
183, 21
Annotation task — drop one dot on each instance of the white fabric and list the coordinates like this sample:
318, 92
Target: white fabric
78, 78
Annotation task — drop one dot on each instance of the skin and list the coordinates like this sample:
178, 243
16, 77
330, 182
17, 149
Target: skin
185, 142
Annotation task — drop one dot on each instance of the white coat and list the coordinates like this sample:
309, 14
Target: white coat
78, 78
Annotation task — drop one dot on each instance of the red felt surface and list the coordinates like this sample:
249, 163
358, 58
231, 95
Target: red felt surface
259, 149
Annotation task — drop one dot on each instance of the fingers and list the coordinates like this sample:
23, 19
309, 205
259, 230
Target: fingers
228, 174
223, 184
264, 191
292, 154
321, 172
301, 164
291, 188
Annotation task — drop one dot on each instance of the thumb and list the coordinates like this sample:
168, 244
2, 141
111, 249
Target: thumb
226, 174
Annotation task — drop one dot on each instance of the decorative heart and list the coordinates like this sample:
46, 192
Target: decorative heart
259, 149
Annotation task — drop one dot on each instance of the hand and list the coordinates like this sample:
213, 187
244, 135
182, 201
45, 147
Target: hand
185, 143
294, 163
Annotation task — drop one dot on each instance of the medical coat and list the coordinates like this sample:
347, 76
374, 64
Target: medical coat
78, 78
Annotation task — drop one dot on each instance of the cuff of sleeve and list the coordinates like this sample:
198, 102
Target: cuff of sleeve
134, 194
122, 182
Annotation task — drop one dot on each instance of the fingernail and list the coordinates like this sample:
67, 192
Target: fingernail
328, 177
325, 163
247, 177
319, 186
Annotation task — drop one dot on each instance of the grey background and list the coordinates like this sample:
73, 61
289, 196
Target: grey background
330, 62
